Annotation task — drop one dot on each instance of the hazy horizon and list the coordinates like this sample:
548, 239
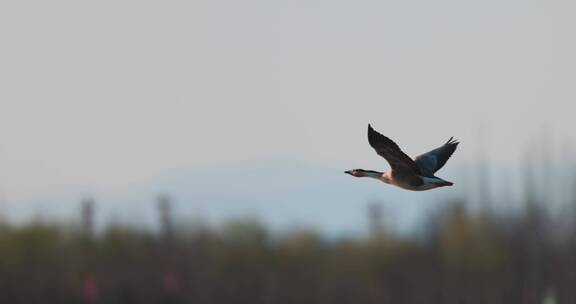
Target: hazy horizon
106, 95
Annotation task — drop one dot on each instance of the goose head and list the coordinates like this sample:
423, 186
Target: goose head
364, 173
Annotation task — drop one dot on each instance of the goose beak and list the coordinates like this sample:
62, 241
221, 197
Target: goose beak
442, 184
349, 172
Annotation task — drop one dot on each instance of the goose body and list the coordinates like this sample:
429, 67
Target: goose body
406, 173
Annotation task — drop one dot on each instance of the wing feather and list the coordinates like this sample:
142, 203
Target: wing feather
385, 147
434, 160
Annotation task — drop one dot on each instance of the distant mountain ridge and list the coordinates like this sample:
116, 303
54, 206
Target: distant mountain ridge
282, 194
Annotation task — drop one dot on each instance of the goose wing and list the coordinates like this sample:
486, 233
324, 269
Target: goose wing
432, 161
398, 160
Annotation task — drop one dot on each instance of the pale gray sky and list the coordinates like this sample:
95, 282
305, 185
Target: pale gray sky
101, 95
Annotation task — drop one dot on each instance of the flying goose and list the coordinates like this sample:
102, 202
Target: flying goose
417, 174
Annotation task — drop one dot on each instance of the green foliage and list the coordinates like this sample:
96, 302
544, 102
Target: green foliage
464, 258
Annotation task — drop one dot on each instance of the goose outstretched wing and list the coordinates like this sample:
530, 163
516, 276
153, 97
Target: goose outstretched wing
432, 161
398, 160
